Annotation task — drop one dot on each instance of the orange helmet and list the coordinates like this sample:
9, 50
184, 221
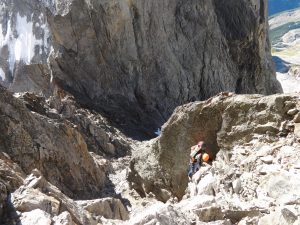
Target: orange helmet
205, 157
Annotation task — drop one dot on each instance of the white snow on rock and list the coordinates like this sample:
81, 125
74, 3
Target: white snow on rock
2, 75
21, 40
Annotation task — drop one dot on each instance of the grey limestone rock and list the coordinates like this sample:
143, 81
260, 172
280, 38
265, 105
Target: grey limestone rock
109, 208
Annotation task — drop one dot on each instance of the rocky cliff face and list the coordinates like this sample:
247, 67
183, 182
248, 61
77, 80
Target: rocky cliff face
137, 60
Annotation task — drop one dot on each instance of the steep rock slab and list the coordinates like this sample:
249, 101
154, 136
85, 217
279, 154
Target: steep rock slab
145, 58
52, 146
98, 133
160, 165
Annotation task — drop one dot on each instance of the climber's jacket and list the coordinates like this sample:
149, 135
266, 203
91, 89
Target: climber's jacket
197, 151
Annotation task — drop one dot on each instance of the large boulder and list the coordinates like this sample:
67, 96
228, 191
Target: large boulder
38, 195
223, 122
28, 199
109, 208
158, 213
36, 216
282, 186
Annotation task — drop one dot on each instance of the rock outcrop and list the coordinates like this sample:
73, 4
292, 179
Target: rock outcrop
54, 147
223, 122
137, 60
254, 182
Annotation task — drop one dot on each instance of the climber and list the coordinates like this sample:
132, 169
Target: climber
197, 156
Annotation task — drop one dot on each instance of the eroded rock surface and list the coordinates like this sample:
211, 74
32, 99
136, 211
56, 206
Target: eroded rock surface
223, 122
234, 190
54, 147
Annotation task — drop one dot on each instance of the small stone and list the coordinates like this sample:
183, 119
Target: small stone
297, 165
297, 118
192, 187
283, 125
110, 149
237, 185
288, 215
266, 169
264, 151
64, 218
196, 202
297, 129
144, 203
267, 159
237, 215
196, 177
206, 185
289, 104
211, 213
292, 112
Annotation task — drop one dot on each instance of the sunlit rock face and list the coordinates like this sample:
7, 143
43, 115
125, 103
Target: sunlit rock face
24, 41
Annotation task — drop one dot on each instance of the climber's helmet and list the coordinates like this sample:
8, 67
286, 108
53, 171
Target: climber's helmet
205, 157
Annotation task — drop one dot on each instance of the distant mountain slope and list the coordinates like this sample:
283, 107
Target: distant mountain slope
285, 17
282, 25
285, 40
285, 35
277, 6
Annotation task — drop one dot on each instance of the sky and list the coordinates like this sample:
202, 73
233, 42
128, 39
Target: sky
276, 6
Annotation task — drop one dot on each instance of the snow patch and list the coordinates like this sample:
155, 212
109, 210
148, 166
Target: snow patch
24, 45
21, 41
2, 75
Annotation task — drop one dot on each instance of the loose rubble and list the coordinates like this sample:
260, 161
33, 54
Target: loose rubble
253, 177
